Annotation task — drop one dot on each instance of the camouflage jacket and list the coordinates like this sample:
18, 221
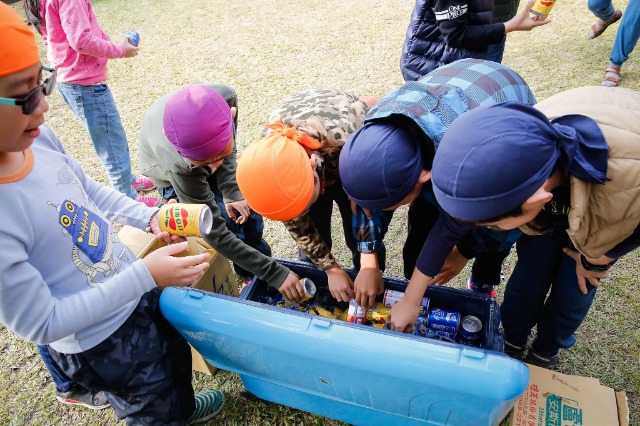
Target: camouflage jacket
329, 116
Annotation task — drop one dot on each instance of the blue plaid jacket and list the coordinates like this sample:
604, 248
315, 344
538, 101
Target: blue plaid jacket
438, 98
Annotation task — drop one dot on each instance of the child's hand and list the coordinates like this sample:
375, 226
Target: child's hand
291, 287
241, 207
340, 284
404, 315
368, 285
130, 49
523, 21
168, 270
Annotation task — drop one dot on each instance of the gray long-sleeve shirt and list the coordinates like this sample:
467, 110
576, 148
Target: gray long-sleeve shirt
65, 278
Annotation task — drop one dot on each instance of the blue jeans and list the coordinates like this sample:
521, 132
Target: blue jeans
249, 232
62, 381
96, 109
628, 31
542, 267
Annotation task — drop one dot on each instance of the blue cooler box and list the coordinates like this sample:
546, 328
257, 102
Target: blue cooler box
350, 372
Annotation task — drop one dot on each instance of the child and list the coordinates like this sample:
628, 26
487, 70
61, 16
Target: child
78, 49
571, 184
69, 392
387, 163
67, 281
443, 31
291, 175
187, 148
626, 37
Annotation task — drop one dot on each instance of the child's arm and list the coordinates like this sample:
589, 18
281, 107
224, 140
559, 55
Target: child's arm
309, 240
81, 34
28, 308
452, 17
116, 206
438, 245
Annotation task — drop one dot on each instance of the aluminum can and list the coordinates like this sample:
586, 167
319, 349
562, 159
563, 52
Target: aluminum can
440, 319
542, 7
470, 327
421, 326
440, 334
186, 220
391, 297
133, 37
356, 313
309, 288
424, 306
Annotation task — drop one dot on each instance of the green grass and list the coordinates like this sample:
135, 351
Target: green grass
267, 49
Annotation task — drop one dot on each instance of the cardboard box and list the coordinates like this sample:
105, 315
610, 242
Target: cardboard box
219, 278
555, 399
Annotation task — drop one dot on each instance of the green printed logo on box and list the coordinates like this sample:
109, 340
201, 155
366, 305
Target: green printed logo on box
562, 411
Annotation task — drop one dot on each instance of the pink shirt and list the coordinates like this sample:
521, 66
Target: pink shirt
76, 45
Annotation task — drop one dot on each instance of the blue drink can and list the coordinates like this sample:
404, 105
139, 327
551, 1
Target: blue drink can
470, 327
439, 334
420, 329
440, 319
424, 306
133, 36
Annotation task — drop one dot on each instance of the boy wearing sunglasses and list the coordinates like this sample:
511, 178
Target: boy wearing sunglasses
187, 148
67, 281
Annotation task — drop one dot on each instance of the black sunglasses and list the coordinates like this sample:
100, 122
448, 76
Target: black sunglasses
31, 101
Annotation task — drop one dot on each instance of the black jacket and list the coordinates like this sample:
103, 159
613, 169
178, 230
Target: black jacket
443, 31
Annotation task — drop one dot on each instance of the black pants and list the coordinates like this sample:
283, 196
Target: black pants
144, 367
421, 218
321, 212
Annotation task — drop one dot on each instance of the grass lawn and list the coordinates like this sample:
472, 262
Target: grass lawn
267, 49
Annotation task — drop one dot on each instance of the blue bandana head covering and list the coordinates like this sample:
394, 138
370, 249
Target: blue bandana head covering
492, 159
379, 165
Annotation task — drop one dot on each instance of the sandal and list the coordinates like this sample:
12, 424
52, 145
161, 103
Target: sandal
611, 77
600, 25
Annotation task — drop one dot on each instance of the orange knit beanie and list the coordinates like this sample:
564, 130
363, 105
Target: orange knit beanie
18, 48
275, 174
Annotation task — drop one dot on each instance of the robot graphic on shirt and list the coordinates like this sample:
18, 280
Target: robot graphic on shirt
90, 235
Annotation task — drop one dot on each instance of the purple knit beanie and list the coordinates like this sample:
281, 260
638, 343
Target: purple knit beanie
198, 122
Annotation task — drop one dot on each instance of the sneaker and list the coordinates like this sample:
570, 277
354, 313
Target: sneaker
550, 362
471, 286
513, 350
84, 397
149, 200
143, 184
208, 404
